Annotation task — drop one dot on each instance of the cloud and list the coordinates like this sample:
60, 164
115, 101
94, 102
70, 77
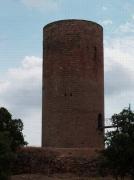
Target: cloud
119, 61
104, 8
128, 27
118, 80
21, 91
119, 73
107, 22
120, 50
42, 4
119, 65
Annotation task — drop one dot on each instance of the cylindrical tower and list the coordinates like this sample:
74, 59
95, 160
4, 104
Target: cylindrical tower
73, 85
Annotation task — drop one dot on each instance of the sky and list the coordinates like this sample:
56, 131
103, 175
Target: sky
21, 51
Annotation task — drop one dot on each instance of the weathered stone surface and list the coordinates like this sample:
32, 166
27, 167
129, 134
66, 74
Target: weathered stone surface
81, 162
73, 85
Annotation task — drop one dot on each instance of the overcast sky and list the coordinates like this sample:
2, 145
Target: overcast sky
21, 27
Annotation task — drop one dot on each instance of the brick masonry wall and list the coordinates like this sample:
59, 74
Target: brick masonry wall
30, 160
73, 84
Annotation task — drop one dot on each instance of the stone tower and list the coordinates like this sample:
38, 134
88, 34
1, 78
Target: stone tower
73, 85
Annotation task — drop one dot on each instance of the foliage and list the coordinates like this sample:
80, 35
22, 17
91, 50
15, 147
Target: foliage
118, 156
13, 128
11, 137
6, 156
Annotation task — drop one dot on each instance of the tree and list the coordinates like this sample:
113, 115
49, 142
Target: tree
11, 138
118, 156
13, 128
6, 156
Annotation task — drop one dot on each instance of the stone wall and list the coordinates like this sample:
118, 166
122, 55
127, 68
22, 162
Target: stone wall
73, 85
55, 161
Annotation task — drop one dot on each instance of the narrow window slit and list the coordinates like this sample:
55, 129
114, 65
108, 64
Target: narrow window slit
100, 123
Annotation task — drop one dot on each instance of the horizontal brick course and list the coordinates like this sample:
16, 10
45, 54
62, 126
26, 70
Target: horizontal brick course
73, 84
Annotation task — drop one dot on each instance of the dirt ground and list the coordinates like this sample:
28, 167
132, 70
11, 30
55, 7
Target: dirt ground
55, 177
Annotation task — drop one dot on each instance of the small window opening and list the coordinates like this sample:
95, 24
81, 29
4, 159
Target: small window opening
65, 94
70, 94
